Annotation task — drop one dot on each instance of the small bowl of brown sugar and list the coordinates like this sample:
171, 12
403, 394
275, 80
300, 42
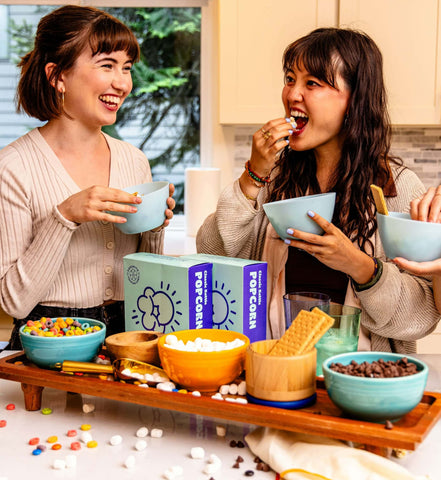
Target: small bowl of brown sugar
375, 386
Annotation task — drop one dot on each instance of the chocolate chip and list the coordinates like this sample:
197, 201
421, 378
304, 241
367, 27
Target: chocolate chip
233, 443
236, 465
377, 369
239, 459
240, 444
265, 467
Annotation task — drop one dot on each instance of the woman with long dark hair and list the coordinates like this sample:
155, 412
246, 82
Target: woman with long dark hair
334, 137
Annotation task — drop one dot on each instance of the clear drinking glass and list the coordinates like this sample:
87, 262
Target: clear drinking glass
342, 337
296, 301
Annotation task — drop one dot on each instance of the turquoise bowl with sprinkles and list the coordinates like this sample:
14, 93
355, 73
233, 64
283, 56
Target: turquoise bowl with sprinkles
46, 351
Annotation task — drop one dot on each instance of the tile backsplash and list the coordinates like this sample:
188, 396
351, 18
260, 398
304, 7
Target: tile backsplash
419, 148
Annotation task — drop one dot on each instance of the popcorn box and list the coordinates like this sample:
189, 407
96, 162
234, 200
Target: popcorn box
166, 294
239, 294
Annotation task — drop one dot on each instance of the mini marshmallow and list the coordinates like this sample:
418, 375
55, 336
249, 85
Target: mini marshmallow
115, 440
142, 432
243, 401
88, 408
197, 453
166, 386
221, 431
140, 445
242, 388
211, 468
86, 437
230, 399
217, 396
173, 472
213, 458
144, 385
223, 389
201, 345
71, 461
196, 393
59, 464
156, 433
171, 339
130, 462
233, 389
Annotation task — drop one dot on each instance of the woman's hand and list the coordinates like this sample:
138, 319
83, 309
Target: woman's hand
91, 205
428, 207
169, 211
334, 249
268, 141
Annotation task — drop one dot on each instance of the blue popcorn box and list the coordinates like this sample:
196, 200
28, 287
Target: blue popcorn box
166, 294
239, 292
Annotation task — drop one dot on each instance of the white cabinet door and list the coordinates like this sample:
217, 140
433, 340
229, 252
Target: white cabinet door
407, 33
252, 37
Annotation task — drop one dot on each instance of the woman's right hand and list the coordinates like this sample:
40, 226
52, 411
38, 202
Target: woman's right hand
268, 141
91, 205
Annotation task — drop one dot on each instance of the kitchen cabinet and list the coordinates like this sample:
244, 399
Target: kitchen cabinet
252, 37
407, 33
254, 33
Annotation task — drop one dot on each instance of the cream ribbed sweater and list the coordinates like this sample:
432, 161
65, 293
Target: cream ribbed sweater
47, 259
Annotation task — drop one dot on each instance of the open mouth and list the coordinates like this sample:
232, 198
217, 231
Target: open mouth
300, 118
110, 100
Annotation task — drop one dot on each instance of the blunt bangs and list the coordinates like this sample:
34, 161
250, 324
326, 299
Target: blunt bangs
317, 55
107, 36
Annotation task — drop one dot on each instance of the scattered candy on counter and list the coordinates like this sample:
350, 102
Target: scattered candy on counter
201, 344
92, 444
85, 437
52, 439
37, 451
142, 432
146, 377
46, 411
197, 453
75, 446
3, 423
156, 433
130, 462
71, 433
173, 472
221, 431
56, 446
42, 447
48, 327
140, 445
10, 406
34, 441
85, 427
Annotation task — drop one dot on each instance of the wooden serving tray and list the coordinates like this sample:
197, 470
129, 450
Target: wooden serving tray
323, 418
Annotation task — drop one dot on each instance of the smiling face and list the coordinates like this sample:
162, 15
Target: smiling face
96, 86
318, 109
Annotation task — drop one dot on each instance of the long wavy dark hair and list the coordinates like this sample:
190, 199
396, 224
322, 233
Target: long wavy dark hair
325, 53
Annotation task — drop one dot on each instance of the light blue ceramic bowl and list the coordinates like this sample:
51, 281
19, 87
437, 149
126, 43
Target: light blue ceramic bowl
47, 351
374, 399
292, 213
410, 239
151, 212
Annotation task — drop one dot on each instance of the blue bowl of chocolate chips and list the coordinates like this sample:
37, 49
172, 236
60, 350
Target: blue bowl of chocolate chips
375, 386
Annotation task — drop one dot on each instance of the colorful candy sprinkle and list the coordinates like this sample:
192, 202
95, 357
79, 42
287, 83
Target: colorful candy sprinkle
46, 411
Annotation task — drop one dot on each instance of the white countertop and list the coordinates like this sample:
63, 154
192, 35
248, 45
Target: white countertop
181, 432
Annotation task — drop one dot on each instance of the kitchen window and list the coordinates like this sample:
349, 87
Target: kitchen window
160, 146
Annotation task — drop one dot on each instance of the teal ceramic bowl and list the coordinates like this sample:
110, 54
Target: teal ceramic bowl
292, 213
47, 351
151, 212
410, 239
374, 399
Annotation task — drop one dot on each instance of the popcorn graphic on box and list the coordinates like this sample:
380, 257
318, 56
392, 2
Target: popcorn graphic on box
166, 294
239, 294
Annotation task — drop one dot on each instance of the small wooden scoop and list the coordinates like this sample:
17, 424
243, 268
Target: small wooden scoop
379, 200
117, 368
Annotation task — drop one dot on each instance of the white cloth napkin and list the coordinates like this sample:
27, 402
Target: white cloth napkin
332, 459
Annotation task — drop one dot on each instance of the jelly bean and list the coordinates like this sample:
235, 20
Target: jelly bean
56, 446
34, 441
75, 446
85, 427
42, 447
3, 423
92, 444
71, 433
37, 451
52, 439
46, 411
10, 406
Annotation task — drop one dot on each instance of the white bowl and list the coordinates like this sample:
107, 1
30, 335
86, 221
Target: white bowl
292, 213
411, 239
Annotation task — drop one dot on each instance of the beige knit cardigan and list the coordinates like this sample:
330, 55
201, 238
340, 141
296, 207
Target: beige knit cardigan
396, 311
47, 259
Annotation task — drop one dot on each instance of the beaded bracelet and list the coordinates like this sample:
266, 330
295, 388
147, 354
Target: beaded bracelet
378, 270
256, 184
254, 175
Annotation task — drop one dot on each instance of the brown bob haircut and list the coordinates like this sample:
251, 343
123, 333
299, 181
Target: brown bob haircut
61, 37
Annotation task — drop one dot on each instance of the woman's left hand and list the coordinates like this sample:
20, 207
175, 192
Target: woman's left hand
169, 211
334, 249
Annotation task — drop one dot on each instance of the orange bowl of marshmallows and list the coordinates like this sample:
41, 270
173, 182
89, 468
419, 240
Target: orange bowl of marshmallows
203, 359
